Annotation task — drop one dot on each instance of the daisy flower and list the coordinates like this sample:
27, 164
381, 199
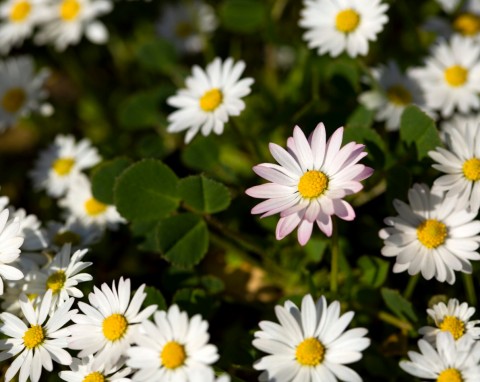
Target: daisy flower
310, 343
10, 243
337, 26
211, 97
30, 229
310, 182
70, 19
73, 231
187, 25
460, 161
36, 345
449, 5
454, 318
81, 204
450, 78
109, 324
395, 92
434, 235
458, 121
173, 348
58, 165
61, 276
18, 18
450, 361
20, 90
82, 370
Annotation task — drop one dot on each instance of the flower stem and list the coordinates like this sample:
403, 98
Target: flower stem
470, 289
411, 286
334, 250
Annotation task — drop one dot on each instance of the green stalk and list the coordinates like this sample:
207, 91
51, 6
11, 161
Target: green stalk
334, 247
470, 289
411, 286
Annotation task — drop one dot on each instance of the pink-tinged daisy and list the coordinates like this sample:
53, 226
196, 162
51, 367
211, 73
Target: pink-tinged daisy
310, 181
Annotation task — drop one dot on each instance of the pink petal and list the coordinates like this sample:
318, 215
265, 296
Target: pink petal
269, 190
304, 152
324, 222
304, 231
333, 145
287, 224
318, 145
284, 158
343, 209
273, 175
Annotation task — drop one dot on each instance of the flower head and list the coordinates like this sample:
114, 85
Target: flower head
10, 243
310, 181
82, 370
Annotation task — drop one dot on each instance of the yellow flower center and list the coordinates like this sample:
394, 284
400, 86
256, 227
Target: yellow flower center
20, 11
471, 169
13, 100
398, 95
56, 281
310, 352
33, 336
114, 327
173, 355
456, 75
94, 377
450, 375
63, 166
94, 207
467, 24
347, 20
312, 184
183, 29
65, 237
69, 10
453, 325
432, 233
211, 99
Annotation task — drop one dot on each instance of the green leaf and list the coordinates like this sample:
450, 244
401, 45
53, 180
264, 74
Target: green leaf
183, 239
374, 143
346, 68
419, 129
103, 178
154, 297
398, 304
315, 249
374, 270
157, 56
203, 194
146, 190
243, 16
361, 117
141, 110
195, 301
201, 154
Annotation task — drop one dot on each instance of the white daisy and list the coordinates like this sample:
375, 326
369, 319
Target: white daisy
109, 325
174, 348
450, 78
61, 276
187, 25
70, 19
20, 89
18, 18
82, 370
30, 229
36, 345
461, 163
454, 318
451, 361
395, 92
336, 26
308, 186
434, 235
309, 344
458, 121
449, 5
81, 205
211, 97
73, 231
58, 165
10, 243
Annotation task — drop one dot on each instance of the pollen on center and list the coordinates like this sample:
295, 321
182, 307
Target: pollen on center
33, 336
456, 75
94, 377
347, 20
211, 99
69, 10
398, 95
114, 327
450, 375
20, 11
94, 207
471, 169
431, 233
453, 325
63, 166
173, 355
310, 352
312, 184
56, 281
13, 100
467, 24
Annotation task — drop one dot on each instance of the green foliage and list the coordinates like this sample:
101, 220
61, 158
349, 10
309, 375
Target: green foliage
141, 110
157, 56
203, 194
398, 304
243, 16
154, 297
104, 177
201, 154
374, 270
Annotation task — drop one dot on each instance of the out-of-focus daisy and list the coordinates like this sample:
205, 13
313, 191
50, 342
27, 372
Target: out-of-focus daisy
69, 19
451, 361
309, 344
81, 204
61, 162
20, 89
310, 182
458, 121
211, 97
82, 370
396, 91
461, 163
30, 228
108, 326
18, 18
62, 276
450, 78
73, 231
449, 5
454, 318
337, 26
173, 348
187, 25
36, 345
434, 235
10, 243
